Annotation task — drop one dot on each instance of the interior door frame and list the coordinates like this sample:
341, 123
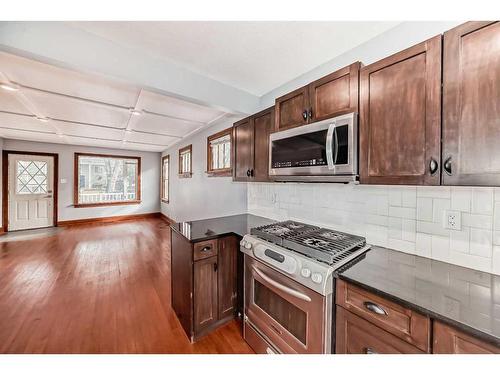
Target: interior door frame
5, 183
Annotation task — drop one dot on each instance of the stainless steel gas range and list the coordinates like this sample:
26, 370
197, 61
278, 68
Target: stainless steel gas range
289, 287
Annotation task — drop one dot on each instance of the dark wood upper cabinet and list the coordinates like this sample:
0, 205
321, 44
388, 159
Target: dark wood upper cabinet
251, 146
400, 117
227, 276
333, 95
471, 105
243, 149
291, 109
263, 126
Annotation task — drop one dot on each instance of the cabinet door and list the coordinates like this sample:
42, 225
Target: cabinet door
205, 293
471, 110
449, 340
355, 335
400, 119
263, 125
335, 94
227, 276
243, 149
291, 109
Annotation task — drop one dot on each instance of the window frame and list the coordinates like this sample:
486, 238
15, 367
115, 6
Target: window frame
222, 172
76, 181
167, 200
190, 173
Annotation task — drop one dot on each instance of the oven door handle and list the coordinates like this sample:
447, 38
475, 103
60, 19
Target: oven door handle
331, 133
281, 287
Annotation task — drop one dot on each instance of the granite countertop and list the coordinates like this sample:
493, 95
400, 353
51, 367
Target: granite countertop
201, 230
465, 298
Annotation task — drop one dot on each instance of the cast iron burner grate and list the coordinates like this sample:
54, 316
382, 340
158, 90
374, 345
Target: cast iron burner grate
277, 232
325, 245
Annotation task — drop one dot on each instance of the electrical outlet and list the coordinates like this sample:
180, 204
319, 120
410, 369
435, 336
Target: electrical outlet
452, 220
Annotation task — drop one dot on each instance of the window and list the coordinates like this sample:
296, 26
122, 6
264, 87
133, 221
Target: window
31, 177
219, 153
165, 169
185, 161
106, 180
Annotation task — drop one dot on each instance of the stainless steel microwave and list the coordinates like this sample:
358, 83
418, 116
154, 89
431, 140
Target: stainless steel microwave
323, 151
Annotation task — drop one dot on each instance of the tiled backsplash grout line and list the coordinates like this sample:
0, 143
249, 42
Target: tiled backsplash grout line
405, 218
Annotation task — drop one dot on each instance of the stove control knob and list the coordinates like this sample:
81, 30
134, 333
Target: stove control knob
306, 272
247, 245
317, 278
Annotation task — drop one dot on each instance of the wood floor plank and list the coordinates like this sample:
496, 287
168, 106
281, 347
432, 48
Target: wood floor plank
96, 289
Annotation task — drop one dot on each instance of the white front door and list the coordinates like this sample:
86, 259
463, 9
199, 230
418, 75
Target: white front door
31, 202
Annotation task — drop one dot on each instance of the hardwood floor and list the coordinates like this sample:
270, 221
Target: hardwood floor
96, 289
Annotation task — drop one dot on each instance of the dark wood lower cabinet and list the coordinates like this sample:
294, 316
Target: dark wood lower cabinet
205, 293
204, 283
448, 340
357, 336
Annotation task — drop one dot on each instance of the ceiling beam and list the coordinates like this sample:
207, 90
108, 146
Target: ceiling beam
62, 45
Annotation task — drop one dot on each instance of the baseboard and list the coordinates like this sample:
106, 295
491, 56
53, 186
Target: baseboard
108, 219
166, 218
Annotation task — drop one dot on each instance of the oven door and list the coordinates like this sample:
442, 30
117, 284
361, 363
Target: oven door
289, 315
324, 148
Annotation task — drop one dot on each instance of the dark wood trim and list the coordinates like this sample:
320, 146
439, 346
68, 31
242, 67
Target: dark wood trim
183, 174
76, 204
5, 180
166, 157
109, 219
222, 172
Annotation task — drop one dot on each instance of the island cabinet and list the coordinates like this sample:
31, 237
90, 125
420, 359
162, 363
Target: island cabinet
448, 340
251, 147
400, 117
204, 282
332, 95
471, 110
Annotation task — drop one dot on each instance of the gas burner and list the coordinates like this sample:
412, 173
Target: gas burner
314, 242
334, 236
278, 230
293, 225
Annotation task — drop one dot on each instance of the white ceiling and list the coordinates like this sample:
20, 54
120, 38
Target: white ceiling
84, 109
255, 57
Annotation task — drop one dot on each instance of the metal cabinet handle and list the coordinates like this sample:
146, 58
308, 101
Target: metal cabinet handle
205, 249
304, 114
215, 267
373, 307
370, 351
433, 166
278, 331
248, 172
310, 113
447, 166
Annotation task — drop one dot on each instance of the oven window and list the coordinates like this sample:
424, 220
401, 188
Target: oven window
300, 151
290, 317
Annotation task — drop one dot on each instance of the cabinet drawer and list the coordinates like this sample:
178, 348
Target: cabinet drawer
205, 249
402, 322
448, 340
357, 336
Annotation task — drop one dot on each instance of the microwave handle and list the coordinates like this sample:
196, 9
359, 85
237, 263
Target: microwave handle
331, 155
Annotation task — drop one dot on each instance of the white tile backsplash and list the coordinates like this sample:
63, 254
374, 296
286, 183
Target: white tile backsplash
405, 218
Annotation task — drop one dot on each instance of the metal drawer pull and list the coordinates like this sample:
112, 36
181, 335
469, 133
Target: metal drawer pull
278, 331
370, 351
373, 307
205, 249
281, 287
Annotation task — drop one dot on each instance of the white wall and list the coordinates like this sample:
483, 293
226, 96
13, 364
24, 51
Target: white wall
150, 179
200, 196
